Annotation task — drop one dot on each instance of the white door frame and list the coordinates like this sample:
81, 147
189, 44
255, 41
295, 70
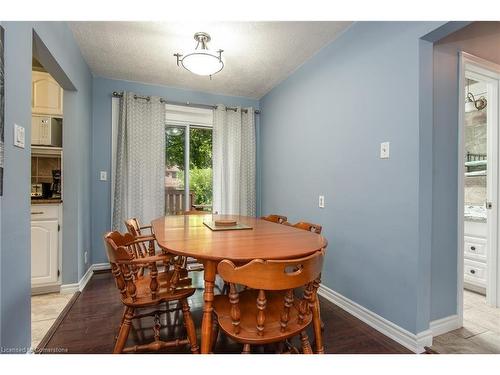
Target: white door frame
489, 72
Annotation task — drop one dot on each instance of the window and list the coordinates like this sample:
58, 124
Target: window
188, 159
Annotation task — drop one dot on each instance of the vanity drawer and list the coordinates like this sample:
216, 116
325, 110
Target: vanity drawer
44, 212
475, 272
475, 247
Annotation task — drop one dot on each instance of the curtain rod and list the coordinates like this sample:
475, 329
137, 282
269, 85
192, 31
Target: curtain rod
187, 104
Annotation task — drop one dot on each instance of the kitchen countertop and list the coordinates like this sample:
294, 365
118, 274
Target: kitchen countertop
46, 201
475, 213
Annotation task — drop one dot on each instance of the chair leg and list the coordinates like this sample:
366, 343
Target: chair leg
319, 313
306, 346
190, 328
318, 332
246, 349
124, 330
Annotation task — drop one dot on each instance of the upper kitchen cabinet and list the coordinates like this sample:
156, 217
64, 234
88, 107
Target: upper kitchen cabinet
47, 95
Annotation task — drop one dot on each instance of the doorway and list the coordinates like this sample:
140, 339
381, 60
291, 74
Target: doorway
478, 282
479, 198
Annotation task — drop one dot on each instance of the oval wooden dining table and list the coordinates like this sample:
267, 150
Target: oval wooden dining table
186, 235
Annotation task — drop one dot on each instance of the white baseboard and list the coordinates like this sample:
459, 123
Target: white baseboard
85, 278
411, 341
100, 266
73, 288
70, 288
35, 290
443, 325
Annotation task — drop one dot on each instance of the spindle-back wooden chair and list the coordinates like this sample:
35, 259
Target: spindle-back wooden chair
141, 248
315, 228
279, 219
147, 245
148, 290
269, 311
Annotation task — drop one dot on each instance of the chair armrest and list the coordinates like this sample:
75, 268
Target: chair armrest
149, 227
147, 260
140, 239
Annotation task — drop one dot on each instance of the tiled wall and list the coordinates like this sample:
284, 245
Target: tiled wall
41, 168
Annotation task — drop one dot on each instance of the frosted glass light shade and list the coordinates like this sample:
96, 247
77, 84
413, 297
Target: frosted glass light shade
202, 62
470, 107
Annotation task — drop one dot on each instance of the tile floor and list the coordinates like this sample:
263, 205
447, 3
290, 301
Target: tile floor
480, 333
45, 308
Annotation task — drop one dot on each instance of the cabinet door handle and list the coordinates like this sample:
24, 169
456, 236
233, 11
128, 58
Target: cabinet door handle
473, 248
473, 271
38, 213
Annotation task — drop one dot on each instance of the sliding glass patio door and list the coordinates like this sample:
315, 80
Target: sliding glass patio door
188, 168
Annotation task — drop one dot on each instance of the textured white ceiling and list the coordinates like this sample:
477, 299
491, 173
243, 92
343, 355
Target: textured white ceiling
258, 55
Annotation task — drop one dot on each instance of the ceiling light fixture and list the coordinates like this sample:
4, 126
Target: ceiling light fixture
201, 61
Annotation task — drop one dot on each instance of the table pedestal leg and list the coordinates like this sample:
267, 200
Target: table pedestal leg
208, 297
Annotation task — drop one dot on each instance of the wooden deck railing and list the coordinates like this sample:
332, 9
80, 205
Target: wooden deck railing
174, 201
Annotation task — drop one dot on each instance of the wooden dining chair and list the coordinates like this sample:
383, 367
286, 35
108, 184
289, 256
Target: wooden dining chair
143, 248
151, 290
279, 219
315, 228
134, 225
268, 311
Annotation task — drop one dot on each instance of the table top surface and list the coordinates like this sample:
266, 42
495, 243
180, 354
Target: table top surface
187, 235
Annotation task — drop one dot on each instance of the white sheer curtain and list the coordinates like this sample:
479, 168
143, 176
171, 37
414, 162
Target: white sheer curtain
234, 161
139, 179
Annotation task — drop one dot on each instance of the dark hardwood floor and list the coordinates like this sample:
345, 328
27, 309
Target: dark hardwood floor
92, 323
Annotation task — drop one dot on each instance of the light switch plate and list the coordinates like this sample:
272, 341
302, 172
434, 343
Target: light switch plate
19, 136
103, 176
321, 201
384, 150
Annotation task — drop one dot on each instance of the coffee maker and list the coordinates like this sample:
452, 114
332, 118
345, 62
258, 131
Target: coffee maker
55, 188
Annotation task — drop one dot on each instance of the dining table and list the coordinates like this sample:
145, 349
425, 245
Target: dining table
187, 235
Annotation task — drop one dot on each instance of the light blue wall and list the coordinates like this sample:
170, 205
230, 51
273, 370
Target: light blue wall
479, 39
101, 142
15, 288
321, 131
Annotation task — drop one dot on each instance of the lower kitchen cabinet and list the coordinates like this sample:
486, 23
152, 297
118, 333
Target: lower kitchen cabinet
44, 245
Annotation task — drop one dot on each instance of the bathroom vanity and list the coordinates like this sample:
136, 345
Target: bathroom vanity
475, 248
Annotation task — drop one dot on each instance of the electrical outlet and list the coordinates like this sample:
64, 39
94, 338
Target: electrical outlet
384, 150
321, 201
103, 176
86, 257
19, 136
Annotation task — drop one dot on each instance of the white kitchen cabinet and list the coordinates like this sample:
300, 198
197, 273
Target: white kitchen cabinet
47, 95
44, 245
